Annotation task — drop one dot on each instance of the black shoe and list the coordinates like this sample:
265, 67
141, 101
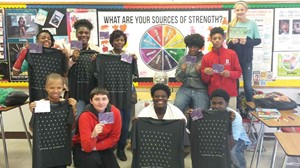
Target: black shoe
121, 155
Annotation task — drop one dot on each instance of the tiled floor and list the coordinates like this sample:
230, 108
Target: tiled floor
20, 156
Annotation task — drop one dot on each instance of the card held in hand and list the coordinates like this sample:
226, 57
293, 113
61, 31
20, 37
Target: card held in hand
106, 117
218, 68
196, 114
126, 57
36, 48
76, 44
190, 59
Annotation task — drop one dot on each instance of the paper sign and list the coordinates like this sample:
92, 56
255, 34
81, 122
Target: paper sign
106, 117
218, 68
56, 19
126, 57
76, 45
190, 59
197, 114
41, 17
42, 106
36, 48
237, 32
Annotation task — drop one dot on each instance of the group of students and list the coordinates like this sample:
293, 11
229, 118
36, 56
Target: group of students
208, 81
78, 117
99, 125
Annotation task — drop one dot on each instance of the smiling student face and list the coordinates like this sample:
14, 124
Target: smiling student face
54, 89
83, 34
99, 102
160, 99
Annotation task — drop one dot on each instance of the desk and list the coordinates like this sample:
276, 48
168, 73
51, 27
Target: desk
273, 123
3, 133
289, 143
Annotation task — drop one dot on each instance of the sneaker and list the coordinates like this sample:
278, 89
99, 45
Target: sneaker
121, 155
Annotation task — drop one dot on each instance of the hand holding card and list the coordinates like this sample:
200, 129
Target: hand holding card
76, 45
218, 68
36, 48
196, 114
106, 117
126, 57
190, 59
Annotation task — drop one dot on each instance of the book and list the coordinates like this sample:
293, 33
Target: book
190, 59
41, 17
268, 113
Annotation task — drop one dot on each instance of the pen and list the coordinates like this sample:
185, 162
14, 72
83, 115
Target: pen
285, 120
290, 117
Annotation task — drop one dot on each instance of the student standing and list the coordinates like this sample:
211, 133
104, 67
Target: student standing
79, 77
118, 40
220, 67
193, 92
219, 99
244, 46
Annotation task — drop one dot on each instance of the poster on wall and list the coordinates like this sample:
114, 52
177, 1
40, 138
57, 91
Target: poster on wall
2, 39
287, 29
262, 54
287, 65
157, 37
13, 52
75, 14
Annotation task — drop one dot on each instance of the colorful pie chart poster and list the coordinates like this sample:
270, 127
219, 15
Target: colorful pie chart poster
288, 64
157, 37
161, 47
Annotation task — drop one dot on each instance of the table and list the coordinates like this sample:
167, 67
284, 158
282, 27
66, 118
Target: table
289, 119
289, 143
3, 133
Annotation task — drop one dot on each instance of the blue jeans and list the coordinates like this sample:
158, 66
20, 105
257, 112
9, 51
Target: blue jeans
125, 114
247, 79
237, 154
186, 97
80, 106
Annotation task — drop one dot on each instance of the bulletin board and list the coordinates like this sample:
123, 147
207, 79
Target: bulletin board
155, 33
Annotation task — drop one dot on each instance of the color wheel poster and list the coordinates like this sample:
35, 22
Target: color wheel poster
287, 65
157, 37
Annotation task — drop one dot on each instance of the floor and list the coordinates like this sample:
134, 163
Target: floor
20, 156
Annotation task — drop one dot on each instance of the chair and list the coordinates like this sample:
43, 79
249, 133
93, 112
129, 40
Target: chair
210, 140
158, 143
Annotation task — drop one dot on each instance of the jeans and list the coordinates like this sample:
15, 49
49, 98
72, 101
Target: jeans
125, 114
247, 79
237, 154
186, 97
80, 106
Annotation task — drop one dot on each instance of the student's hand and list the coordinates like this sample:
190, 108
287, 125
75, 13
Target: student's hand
97, 130
208, 71
32, 105
225, 73
243, 41
198, 66
134, 56
75, 55
183, 67
26, 45
234, 40
73, 103
232, 115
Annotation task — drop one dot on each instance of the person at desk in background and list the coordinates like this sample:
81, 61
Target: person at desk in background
192, 92
79, 85
45, 38
98, 131
22, 25
220, 67
52, 129
244, 46
118, 40
219, 99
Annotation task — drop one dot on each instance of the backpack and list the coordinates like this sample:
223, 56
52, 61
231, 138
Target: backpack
274, 100
241, 103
